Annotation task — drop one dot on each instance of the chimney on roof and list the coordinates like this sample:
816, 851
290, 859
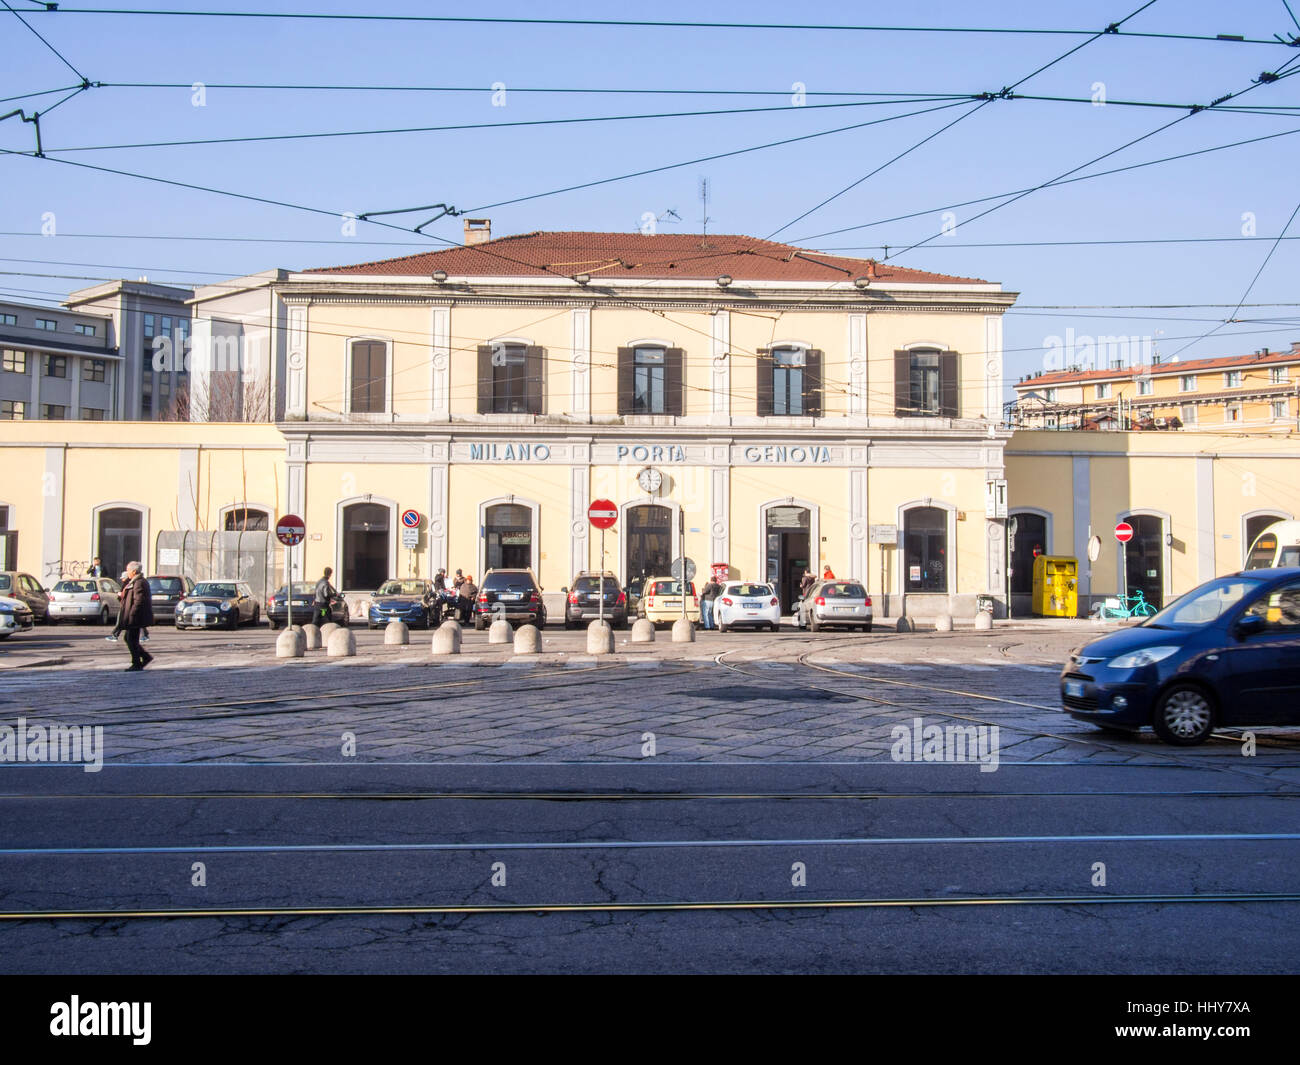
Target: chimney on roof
478, 230
1295, 347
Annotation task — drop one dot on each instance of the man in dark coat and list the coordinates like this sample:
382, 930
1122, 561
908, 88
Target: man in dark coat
137, 612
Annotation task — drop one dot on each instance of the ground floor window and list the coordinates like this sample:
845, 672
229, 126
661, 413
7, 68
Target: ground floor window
925, 550
119, 537
649, 532
366, 564
508, 536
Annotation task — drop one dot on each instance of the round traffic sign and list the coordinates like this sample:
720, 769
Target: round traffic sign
290, 530
411, 519
681, 565
602, 513
1123, 532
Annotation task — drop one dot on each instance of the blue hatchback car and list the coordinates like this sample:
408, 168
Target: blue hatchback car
1225, 654
402, 600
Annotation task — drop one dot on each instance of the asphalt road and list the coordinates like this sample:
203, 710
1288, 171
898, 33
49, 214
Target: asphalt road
510, 817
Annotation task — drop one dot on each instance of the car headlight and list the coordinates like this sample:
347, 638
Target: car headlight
226, 604
1145, 657
5, 608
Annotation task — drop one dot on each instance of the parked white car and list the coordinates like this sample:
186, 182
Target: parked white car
85, 599
747, 603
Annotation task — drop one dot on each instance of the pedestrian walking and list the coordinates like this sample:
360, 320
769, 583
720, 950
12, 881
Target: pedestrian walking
326, 594
708, 594
137, 612
805, 583
467, 592
117, 629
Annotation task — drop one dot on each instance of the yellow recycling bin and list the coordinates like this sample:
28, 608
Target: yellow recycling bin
1056, 586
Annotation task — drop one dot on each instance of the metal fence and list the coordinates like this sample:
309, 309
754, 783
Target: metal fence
252, 556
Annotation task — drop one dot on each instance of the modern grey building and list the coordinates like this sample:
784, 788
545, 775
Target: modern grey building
56, 364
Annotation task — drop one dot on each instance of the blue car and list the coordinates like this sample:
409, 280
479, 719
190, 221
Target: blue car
411, 601
1225, 654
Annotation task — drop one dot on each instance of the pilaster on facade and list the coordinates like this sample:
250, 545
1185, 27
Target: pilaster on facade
440, 363
720, 367
580, 365
295, 388
857, 326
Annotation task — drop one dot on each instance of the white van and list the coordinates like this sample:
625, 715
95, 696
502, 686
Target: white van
1278, 545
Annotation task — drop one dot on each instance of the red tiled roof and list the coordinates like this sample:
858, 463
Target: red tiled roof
635, 255
1164, 369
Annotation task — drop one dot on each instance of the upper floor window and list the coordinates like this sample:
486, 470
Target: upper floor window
147, 334
1049, 395
1232, 379
8, 319
93, 370
1145, 386
1279, 408
1189, 414
56, 366
925, 383
369, 377
13, 409
789, 381
48, 324
1103, 391
54, 411
92, 414
15, 361
82, 329
1277, 375
509, 379
1232, 413
1187, 383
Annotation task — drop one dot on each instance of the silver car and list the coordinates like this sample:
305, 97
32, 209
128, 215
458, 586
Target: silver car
85, 599
834, 602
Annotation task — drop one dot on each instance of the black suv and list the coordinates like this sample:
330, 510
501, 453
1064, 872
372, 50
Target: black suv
582, 602
512, 594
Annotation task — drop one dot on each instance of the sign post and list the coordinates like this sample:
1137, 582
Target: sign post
411, 538
602, 514
290, 531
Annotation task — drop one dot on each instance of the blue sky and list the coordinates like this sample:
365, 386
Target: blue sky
1007, 145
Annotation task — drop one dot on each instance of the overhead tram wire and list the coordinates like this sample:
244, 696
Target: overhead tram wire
62, 58
1128, 144
988, 99
669, 24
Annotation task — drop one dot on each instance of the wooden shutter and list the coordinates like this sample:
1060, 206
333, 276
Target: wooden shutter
903, 383
535, 380
763, 380
949, 401
674, 383
812, 383
626, 379
485, 379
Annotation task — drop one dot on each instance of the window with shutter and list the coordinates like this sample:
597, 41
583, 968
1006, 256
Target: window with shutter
369, 375
625, 380
763, 370
534, 380
812, 383
949, 390
902, 383
674, 382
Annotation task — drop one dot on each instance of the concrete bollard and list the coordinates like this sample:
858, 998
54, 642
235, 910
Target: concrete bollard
312, 636
289, 644
342, 644
327, 630
943, 623
983, 620
528, 640
396, 634
500, 632
643, 631
904, 625
683, 631
446, 640
600, 638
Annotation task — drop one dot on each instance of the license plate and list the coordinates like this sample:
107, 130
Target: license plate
511, 597
301, 602
1074, 688
753, 606
159, 598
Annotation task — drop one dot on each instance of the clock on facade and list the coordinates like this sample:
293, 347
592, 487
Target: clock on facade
650, 479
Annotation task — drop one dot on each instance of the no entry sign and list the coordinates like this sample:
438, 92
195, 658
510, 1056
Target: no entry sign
1123, 532
602, 513
290, 530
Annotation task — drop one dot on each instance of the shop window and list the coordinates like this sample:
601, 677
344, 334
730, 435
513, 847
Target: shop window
925, 550
508, 536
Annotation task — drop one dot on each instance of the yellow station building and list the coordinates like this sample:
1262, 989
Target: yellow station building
741, 402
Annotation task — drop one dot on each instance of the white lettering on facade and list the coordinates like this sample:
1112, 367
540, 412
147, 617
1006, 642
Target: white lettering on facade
797, 455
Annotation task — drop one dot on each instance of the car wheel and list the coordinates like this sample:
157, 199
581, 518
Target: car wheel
813, 623
104, 617
1184, 715
273, 623
478, 623
866, 627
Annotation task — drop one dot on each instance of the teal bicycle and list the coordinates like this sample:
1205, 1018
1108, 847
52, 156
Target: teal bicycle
1127, 606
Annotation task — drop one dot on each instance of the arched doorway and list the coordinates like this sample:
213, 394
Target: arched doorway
1144, 558
247, 519
925, 550
119, 536
648, 531
1030, 541
1254, 524
787, 548
508, 536
365, 563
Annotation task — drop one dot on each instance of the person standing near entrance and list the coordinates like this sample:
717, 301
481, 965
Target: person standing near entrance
828, 574
325, 595
96, 568
467, 592
708, 594
805, 583
137, 612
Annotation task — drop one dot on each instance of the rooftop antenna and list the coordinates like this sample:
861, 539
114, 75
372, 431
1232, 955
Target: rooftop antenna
704, 200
